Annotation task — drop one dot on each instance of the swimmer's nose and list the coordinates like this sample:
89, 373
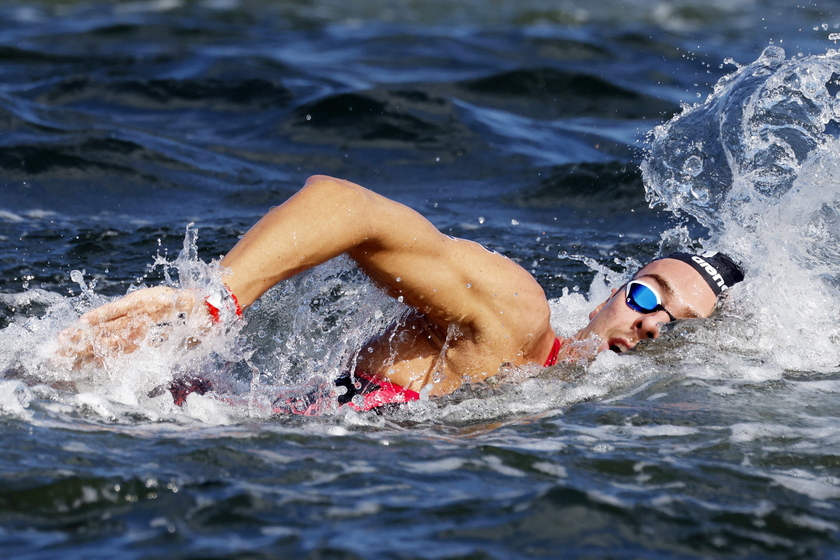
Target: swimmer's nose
648, 325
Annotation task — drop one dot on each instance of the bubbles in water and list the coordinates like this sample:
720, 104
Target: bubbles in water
693, 166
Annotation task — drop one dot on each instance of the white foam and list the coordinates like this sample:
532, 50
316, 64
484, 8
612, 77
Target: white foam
663, 431
813, 523
754, 431
806, 483
551, 469
360, 509
496, 464
208, 410
10, 216
448, 464
15, 398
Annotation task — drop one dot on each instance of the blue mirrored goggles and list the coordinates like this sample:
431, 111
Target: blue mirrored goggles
644, 299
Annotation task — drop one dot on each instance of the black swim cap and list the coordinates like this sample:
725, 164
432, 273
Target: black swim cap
718, 270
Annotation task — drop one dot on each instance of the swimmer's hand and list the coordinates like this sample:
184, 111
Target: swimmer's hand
142, 318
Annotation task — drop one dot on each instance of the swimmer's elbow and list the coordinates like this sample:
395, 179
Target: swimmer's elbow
319, 180
339, 194
368, 217
336, 188
363, 216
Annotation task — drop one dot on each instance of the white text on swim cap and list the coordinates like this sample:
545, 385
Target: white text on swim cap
711, 271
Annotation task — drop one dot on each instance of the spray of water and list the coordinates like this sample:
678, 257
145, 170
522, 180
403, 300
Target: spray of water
757, 164
292, 344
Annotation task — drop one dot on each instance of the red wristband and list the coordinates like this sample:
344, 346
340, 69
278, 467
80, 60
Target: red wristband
216, 301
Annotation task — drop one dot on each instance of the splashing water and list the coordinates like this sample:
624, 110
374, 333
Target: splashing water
747, 142
293, 342
135, 379
757, 164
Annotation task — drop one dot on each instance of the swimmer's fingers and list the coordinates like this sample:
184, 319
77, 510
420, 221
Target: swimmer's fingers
151, 302
97, 353
110, 318
76, 349
94, 345
82, 342
144, 317
69, 337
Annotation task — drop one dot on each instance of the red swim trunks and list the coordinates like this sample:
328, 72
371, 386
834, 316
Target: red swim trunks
374, 392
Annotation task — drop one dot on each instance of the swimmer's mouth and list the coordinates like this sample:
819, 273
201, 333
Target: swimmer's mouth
619, 345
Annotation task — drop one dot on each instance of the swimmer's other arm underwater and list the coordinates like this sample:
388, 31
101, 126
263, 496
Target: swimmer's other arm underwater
484, 307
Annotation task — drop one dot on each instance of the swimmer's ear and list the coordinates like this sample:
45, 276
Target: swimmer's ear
602, 304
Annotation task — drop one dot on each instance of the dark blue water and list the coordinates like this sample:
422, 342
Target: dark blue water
520, 125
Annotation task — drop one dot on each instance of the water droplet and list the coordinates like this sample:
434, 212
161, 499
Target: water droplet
693, 166
700, 195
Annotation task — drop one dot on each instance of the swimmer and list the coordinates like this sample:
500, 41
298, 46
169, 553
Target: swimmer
482, 307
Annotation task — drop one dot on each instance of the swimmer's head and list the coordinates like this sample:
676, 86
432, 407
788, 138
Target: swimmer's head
677, 286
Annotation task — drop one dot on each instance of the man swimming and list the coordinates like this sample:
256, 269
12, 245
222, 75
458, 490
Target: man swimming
475, 310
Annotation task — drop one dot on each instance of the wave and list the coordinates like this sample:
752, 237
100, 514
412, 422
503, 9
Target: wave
219, 94
608, 186
407, 119
550, 93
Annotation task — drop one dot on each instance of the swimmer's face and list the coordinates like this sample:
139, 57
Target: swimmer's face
682, 290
